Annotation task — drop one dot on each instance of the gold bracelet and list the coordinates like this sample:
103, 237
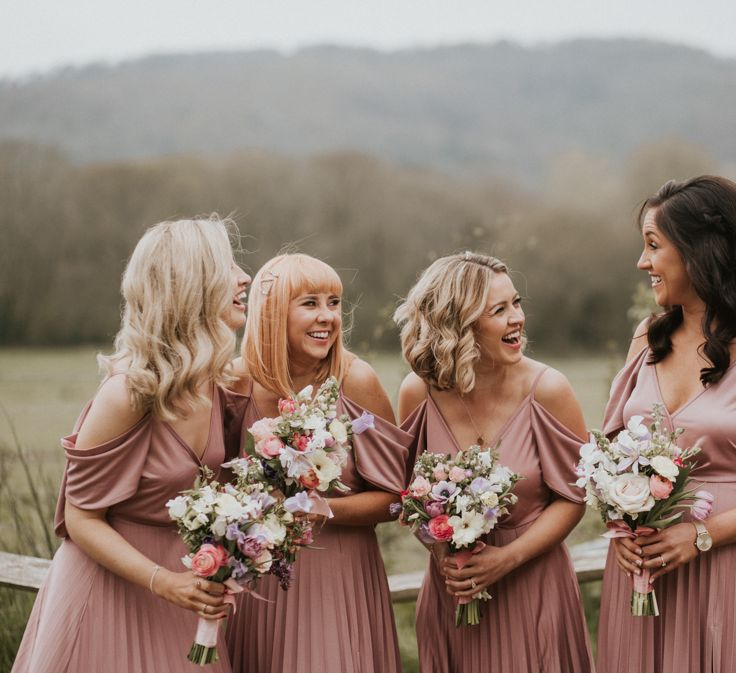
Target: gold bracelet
153, 575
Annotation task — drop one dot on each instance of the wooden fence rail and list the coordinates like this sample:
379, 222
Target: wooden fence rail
28, 572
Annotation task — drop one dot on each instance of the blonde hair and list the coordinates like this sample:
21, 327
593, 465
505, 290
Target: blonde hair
438, 315
177, 289
265, 346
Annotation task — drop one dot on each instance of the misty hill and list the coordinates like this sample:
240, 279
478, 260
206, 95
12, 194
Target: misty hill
498, 108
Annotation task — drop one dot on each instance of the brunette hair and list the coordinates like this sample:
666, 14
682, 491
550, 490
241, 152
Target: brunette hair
699, 217
438, 315
265, 346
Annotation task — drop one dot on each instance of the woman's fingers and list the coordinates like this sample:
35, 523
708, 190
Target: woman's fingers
628, 560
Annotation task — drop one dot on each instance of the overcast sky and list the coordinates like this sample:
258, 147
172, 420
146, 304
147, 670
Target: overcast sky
40, 35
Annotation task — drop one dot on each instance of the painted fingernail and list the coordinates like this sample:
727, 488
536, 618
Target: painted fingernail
638, 562
638, 571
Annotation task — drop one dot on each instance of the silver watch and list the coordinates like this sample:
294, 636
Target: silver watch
703, 540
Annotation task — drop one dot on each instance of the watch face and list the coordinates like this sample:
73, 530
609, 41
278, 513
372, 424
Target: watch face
704, 542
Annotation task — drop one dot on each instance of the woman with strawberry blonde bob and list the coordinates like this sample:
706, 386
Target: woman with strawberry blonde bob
337, 616
462, 330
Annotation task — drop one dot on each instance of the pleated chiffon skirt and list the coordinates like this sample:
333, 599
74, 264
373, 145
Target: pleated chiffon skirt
534, 623
335, 618
88, 620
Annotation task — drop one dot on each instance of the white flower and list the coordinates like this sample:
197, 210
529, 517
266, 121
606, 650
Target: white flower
665, 467
313, 422
178, 506
590, 453
462, 502
219, 526
278, 531
338, 431
305, 394
489, 499
324, 467
319, 437
229, 508
630, 493
637, 428
467, 528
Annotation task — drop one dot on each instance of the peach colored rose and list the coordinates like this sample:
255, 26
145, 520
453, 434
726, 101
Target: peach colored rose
457, 474
262, 429
440, 472
208, 559
660, 487
420, 487
440, 529
270, 447
287, 406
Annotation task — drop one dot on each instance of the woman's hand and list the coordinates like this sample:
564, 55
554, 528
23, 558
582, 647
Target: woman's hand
668, 549
484, 568
191, 592
628, 555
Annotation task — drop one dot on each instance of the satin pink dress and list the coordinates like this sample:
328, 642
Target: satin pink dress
337, 615
87, 619
535, 620
696, 629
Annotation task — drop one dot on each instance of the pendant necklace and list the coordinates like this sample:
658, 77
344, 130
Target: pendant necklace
480, 438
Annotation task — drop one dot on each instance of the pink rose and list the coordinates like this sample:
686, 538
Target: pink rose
287, 406
660, 487
440, 529
299, 442
457, 474
420, 487
270, 447
440, 472
703, 506
208, 559
262, 429
434, 508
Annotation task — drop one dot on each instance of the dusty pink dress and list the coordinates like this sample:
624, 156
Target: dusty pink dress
535, 620
337, 616
87, 619
696, 629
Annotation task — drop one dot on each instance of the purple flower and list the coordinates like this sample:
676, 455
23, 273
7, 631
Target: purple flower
298, 503
239, 569
424, 534
363, 423
703, 506
480, 485
394, 509
491, 514
232, 532
443, 490
434, 508
284, 572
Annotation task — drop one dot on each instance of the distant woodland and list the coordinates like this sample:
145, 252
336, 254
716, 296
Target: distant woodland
67, 230
376, 162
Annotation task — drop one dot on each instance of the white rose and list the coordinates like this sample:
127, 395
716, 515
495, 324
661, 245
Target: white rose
630, 492
338, 431
665, 467
489, 499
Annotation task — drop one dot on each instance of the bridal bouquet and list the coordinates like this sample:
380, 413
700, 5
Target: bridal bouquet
305, 448
639, 484
235, 535
456, 501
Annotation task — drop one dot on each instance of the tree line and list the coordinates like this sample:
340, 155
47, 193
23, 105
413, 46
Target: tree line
67, 230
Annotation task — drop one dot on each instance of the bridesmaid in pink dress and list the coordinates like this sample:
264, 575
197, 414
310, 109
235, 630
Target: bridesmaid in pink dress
683, 360
117, 598
462, 334
337, 616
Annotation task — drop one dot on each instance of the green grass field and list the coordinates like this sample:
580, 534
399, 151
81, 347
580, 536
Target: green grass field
43, 390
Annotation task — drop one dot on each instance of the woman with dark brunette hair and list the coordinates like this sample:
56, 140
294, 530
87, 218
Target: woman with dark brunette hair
683, 360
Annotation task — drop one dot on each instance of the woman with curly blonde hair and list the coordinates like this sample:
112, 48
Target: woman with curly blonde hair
117, 598
337, 616
462, 333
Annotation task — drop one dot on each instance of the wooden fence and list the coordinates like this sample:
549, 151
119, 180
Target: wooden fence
28, 572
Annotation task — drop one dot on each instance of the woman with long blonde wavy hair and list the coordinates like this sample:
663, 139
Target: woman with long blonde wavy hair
337, 616
117, 598
462, 333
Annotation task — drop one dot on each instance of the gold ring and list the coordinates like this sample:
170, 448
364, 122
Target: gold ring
664, 563
204, 608
198, 584
473, 584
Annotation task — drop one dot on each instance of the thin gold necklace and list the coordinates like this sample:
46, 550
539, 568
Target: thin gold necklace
480, 439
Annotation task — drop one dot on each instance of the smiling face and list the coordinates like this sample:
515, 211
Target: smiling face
235, 317
314, 324
662, 261
498, 331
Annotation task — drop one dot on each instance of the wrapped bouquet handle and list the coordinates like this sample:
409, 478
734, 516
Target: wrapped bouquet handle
468, 607
643, 597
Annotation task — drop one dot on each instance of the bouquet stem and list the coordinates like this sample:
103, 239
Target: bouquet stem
643, 598
468, 614
204, 647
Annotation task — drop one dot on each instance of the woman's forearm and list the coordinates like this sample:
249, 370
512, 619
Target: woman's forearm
549, 529
362, 509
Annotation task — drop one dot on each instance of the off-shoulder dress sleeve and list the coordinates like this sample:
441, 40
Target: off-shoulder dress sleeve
621, 389
103, 475
559, 451
381, 454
